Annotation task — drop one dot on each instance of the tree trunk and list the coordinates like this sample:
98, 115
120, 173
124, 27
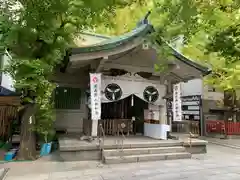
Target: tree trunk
229, 105
226, 125
27, 136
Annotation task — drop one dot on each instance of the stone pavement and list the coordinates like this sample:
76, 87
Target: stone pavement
3, 172
219, 163
232, 143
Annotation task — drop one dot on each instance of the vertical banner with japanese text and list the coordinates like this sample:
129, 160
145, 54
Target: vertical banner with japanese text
177, 103
95, 88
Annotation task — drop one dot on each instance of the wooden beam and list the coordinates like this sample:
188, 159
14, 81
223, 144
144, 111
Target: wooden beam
100, 65
177, 76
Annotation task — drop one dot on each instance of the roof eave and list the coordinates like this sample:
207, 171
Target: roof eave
108, 46
204, 70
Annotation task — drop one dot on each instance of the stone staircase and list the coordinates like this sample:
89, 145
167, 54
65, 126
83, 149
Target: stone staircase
146, 152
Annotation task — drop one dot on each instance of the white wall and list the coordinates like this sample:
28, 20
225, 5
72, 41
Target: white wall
7, 81
195, 87
192, 87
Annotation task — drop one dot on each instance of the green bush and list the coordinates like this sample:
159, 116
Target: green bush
46, 136
6, 146
1, 144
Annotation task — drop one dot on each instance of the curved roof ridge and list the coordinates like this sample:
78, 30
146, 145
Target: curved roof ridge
115, 41
96, 35
188, 61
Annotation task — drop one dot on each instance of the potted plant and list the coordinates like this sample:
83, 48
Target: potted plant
46, 147
46, 135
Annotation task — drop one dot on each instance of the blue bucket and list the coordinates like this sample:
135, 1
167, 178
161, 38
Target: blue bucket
46, 149
10, 155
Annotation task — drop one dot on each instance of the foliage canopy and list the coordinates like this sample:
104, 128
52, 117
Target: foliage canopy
38, 34
210, 30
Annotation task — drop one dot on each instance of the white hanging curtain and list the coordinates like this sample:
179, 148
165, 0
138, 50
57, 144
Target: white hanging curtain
132, 85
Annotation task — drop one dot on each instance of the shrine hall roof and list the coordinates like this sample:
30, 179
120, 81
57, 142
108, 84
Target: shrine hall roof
105, 43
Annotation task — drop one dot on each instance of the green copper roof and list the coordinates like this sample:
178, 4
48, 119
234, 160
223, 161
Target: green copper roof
203, 69
181, 57
141, 31
116, 41
96, 35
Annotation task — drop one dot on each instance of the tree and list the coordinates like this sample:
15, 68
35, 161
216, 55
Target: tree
210, 30
211, 37
125, 18
213, 40
38, 34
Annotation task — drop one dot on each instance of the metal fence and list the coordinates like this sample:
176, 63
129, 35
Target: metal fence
186, 127
220, 127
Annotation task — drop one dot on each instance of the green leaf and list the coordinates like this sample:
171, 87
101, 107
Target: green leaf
156, 67
38, 34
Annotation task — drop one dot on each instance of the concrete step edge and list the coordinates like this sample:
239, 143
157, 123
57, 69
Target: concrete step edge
162, 154
150, 148
71, 147
142, 145
146, 157
136, 151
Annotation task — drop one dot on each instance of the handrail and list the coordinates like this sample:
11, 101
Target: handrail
101, 142
190, 140
123, 138
120, 129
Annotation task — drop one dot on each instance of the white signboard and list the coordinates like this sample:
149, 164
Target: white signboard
177, 104
7, 81
95, 88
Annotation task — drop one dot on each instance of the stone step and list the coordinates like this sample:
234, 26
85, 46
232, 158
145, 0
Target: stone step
129, 145
145, 157
139, 151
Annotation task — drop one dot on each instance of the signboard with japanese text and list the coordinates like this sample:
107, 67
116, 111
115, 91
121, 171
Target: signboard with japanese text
95, 89
177, 103
191, 108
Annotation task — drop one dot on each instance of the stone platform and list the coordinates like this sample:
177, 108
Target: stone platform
128, 149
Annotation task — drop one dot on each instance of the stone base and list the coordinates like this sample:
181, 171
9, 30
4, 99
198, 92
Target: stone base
82, 155
196, 147
74, 149
200, 149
